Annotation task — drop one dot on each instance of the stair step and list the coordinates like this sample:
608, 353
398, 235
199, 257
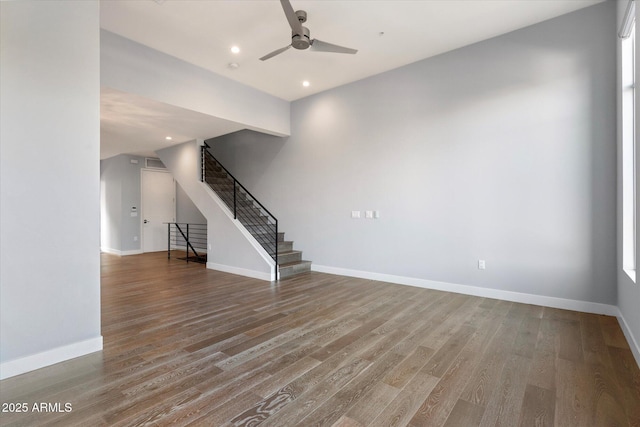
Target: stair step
244, 204
284, 246
293, 268
265, 235
289, 257
264, 232
261, 232
227, 196
251, 218
258, 227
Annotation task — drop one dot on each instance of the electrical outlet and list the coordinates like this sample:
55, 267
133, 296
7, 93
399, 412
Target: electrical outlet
135, 238
481, 264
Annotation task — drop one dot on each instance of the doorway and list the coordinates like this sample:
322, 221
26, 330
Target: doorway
158, 207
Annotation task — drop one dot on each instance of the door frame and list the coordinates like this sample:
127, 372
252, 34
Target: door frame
155, 170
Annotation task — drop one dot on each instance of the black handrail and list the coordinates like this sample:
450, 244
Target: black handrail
250, 217
206, 150
190, 235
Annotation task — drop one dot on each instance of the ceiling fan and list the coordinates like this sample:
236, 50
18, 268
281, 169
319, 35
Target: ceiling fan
301, 37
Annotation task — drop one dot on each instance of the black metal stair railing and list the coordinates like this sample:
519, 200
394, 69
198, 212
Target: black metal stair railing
191, 238
262, 225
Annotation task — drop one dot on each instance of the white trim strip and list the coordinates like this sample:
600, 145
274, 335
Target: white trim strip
633, 343
110, 251
15, 367
121, 253
546, 301
628, 20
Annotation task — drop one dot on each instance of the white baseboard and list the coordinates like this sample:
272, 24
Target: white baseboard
633, 343
110, 251
121, 253
241, 271
546, 301
133, 252
15, 367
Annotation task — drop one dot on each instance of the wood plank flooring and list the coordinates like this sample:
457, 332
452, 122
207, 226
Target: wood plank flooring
188, 346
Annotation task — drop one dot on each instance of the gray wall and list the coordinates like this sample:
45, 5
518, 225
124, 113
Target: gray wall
120, 191
186, 210
120, 182
502, 151
49, 182
110, 205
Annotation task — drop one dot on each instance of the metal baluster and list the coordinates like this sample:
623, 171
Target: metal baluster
235, 209
202, 164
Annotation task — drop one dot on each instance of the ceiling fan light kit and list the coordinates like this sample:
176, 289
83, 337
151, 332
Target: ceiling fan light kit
301, 36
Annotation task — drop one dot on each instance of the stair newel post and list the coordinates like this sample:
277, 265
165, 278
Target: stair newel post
187, 243
169, 240
276, 242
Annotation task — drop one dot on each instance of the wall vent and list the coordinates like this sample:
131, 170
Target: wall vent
153, 163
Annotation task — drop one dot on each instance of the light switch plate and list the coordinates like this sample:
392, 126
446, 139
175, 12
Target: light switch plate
355, 214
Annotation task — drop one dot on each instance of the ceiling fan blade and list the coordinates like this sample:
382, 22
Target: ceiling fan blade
320, 46
295, 24
274, 53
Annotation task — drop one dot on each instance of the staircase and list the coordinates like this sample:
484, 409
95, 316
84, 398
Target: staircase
255, 218
290, 262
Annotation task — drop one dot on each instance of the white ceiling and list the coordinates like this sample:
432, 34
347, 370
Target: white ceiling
387, 34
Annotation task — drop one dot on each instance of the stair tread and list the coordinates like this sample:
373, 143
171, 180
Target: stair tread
292, 251
293, 263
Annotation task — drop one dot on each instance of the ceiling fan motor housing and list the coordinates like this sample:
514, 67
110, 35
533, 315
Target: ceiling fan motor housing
301, 41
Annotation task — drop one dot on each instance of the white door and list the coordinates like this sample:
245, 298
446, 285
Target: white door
158, 207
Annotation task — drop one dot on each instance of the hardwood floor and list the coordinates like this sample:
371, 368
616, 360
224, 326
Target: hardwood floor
188, 346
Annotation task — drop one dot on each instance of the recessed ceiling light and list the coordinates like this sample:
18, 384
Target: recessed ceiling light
235, 49
168, 138
233, 65
306, 83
